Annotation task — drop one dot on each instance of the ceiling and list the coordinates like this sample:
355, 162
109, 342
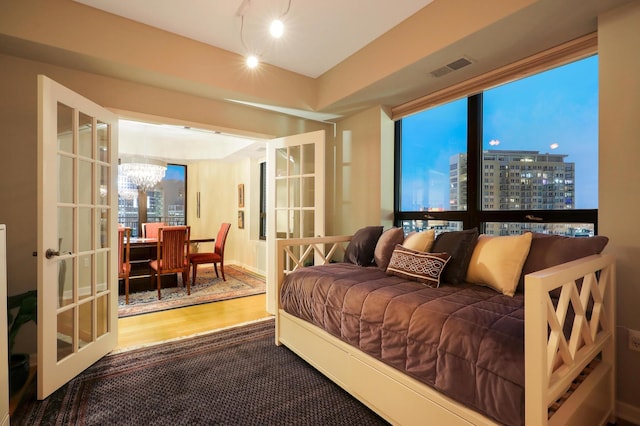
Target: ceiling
306, 48
309, 46
183, 143
324, 41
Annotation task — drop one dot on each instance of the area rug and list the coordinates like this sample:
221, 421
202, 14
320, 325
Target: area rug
239, 283
232, 377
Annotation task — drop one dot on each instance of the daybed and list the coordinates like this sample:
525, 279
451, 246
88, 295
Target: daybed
463, 349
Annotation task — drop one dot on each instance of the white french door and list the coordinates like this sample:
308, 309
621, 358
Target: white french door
77, 238
295, 195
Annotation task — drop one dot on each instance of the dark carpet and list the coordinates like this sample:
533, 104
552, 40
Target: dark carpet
232, 377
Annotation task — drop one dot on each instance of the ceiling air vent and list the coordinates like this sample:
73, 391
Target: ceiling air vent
453, 66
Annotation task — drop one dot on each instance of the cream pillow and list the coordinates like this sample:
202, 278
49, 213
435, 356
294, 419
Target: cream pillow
497, 261
420, 241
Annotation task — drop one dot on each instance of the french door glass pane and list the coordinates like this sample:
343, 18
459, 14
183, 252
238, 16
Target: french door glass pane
65, 128
102, 307
85, 173
85, 234
433, 144
308, 159
65, 176
281, 162
65, 229
85, 133
103, 190
85, 323
65, 282
65, 333
103, 147
294, 160
85, 276
294, 192
308, 191
101, 271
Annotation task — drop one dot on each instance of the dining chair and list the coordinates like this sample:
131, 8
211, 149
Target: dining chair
150, 229
216, 257
172, 255
124, 257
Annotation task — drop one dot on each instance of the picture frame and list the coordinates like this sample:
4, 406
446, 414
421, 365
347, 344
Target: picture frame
241, 195
240, 219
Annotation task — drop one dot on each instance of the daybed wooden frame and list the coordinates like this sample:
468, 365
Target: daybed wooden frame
554, 365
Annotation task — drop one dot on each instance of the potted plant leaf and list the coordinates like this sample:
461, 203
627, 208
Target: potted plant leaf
21, 308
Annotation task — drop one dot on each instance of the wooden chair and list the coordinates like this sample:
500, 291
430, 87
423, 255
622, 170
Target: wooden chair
124, 255
172, 254
216, 257
150, 229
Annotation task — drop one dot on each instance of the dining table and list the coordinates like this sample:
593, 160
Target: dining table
143, 250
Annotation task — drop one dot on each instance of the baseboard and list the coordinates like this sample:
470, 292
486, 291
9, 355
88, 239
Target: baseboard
249, 268
628, 412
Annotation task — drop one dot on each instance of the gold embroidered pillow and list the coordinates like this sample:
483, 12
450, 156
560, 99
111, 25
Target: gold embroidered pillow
417, 266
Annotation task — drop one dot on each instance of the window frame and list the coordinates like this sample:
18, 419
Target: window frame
475, 216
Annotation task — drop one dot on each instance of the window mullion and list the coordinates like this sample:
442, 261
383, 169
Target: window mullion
474, 160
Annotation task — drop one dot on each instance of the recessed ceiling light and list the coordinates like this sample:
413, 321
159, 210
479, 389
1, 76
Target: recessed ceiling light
277, 28
252, 61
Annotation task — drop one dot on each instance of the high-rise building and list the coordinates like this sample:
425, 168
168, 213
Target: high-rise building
518, 180
527, 180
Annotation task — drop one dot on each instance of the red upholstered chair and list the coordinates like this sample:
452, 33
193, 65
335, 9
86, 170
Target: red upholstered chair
124, 254
216, 257
150, 229
172, 254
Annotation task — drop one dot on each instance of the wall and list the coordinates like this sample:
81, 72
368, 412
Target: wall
217, 182
18, 138
618, 33
362, 152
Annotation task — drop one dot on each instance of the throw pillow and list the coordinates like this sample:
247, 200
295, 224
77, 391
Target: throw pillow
551, 250
497, 261
420, 241
460, 245
417, 266
362, 245
386, 243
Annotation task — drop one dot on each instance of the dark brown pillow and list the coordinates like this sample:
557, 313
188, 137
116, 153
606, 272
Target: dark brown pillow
551, 250
385, 246
460, 245
362, 246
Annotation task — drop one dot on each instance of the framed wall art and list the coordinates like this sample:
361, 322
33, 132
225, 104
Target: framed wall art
241, 195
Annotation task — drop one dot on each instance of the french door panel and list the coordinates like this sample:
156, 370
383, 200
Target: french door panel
295, 199
77, 217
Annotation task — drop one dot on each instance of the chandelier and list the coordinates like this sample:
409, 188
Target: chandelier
143, 172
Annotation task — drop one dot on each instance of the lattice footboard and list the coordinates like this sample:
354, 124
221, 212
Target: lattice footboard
564, 334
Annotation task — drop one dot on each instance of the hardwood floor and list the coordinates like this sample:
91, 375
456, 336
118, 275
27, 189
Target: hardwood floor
175, 323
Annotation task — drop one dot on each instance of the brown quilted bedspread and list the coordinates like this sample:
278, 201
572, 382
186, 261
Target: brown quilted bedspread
465, 341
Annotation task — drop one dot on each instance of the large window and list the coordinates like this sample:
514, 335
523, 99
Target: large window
163, 203
520, 156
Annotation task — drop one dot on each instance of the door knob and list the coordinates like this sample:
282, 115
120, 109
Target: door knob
53, 253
